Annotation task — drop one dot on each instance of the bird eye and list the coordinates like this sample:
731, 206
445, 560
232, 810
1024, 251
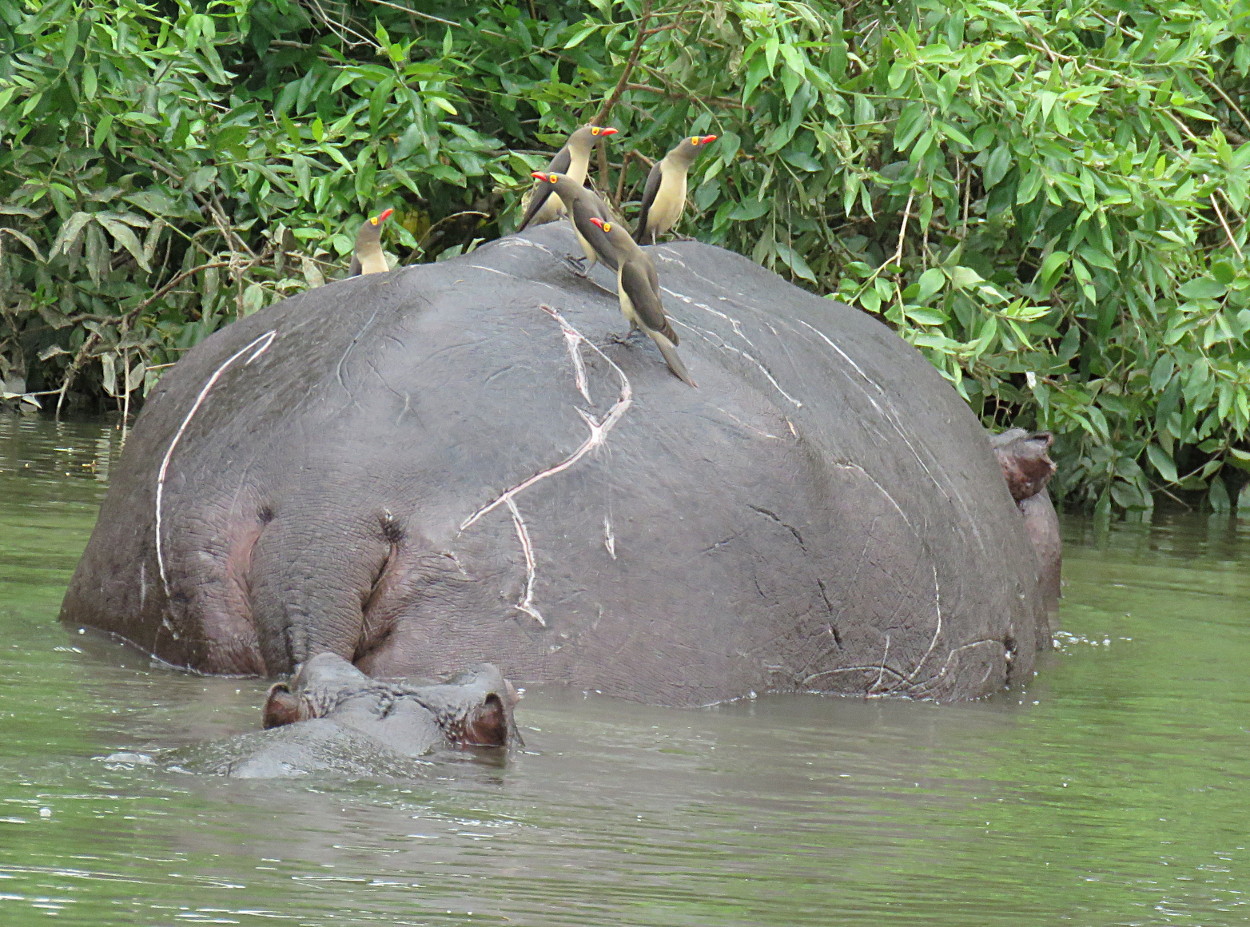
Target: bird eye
551, 178
594, 130
694, 140
607, 226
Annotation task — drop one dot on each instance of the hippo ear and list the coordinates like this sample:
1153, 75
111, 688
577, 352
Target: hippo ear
1024, 461
487, 724
282, 707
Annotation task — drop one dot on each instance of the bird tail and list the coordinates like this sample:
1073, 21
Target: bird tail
669, 350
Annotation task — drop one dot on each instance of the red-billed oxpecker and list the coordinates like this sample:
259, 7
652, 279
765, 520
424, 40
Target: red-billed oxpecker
582, 205
367, 256
574, 160
664, 196
638, 287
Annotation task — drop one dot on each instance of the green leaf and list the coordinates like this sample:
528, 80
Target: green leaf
1161, 372
580, 36
792, 259
801, 160
1161, 460
1202, 288
996, 166
965, 277
69, 234
1049, 271
930, 283
124, 235
1030, 185
747, 210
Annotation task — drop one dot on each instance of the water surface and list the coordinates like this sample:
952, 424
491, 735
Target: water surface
1112, 790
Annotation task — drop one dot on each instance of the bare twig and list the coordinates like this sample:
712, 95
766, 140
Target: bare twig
1236, 137
614, 97
902, 230
429, 17
1227, 231
342, 29
124, 320
663, 92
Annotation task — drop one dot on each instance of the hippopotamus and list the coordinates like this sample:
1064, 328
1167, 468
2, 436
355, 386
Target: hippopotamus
465, 461
332, 717
1027, 467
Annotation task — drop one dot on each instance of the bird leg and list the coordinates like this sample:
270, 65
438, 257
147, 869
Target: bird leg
631, 337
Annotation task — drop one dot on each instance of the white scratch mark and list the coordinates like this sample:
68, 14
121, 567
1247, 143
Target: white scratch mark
609, 539
889, 415
511, 276
872, 690
733, 323
260, 346
523, 242
929, 683
937, 585
599, 429
531, 572
720, 342
573, 341
741, 423
937, 630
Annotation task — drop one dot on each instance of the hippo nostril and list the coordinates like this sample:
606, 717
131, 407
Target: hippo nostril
264, 514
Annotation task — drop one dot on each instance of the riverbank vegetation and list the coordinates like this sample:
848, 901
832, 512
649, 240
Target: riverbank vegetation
1049, 199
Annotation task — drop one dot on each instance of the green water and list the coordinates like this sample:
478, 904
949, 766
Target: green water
1113, 791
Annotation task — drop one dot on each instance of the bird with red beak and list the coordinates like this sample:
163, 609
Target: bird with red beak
638, 288
367, 256
664, 196
582, 205
572, 160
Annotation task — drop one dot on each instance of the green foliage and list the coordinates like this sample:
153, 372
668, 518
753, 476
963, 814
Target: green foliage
1048, 199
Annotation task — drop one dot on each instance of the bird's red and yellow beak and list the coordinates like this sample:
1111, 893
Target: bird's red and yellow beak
381, 217
605, 130
703, 139
595, 220
540, 175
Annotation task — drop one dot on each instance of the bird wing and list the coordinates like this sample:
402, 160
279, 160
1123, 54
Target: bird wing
354, 268
561, 161
587, 204
646, 299
649, 193
559, 164
537, 199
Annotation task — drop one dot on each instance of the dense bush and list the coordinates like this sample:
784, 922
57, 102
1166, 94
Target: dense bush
1048, 198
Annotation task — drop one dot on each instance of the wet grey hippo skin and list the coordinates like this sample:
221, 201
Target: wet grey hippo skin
332, 717
1028, 468
457, 462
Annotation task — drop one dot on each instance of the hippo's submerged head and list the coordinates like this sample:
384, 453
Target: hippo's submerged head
473, 708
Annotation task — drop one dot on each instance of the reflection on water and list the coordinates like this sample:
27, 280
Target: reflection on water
1110, 791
